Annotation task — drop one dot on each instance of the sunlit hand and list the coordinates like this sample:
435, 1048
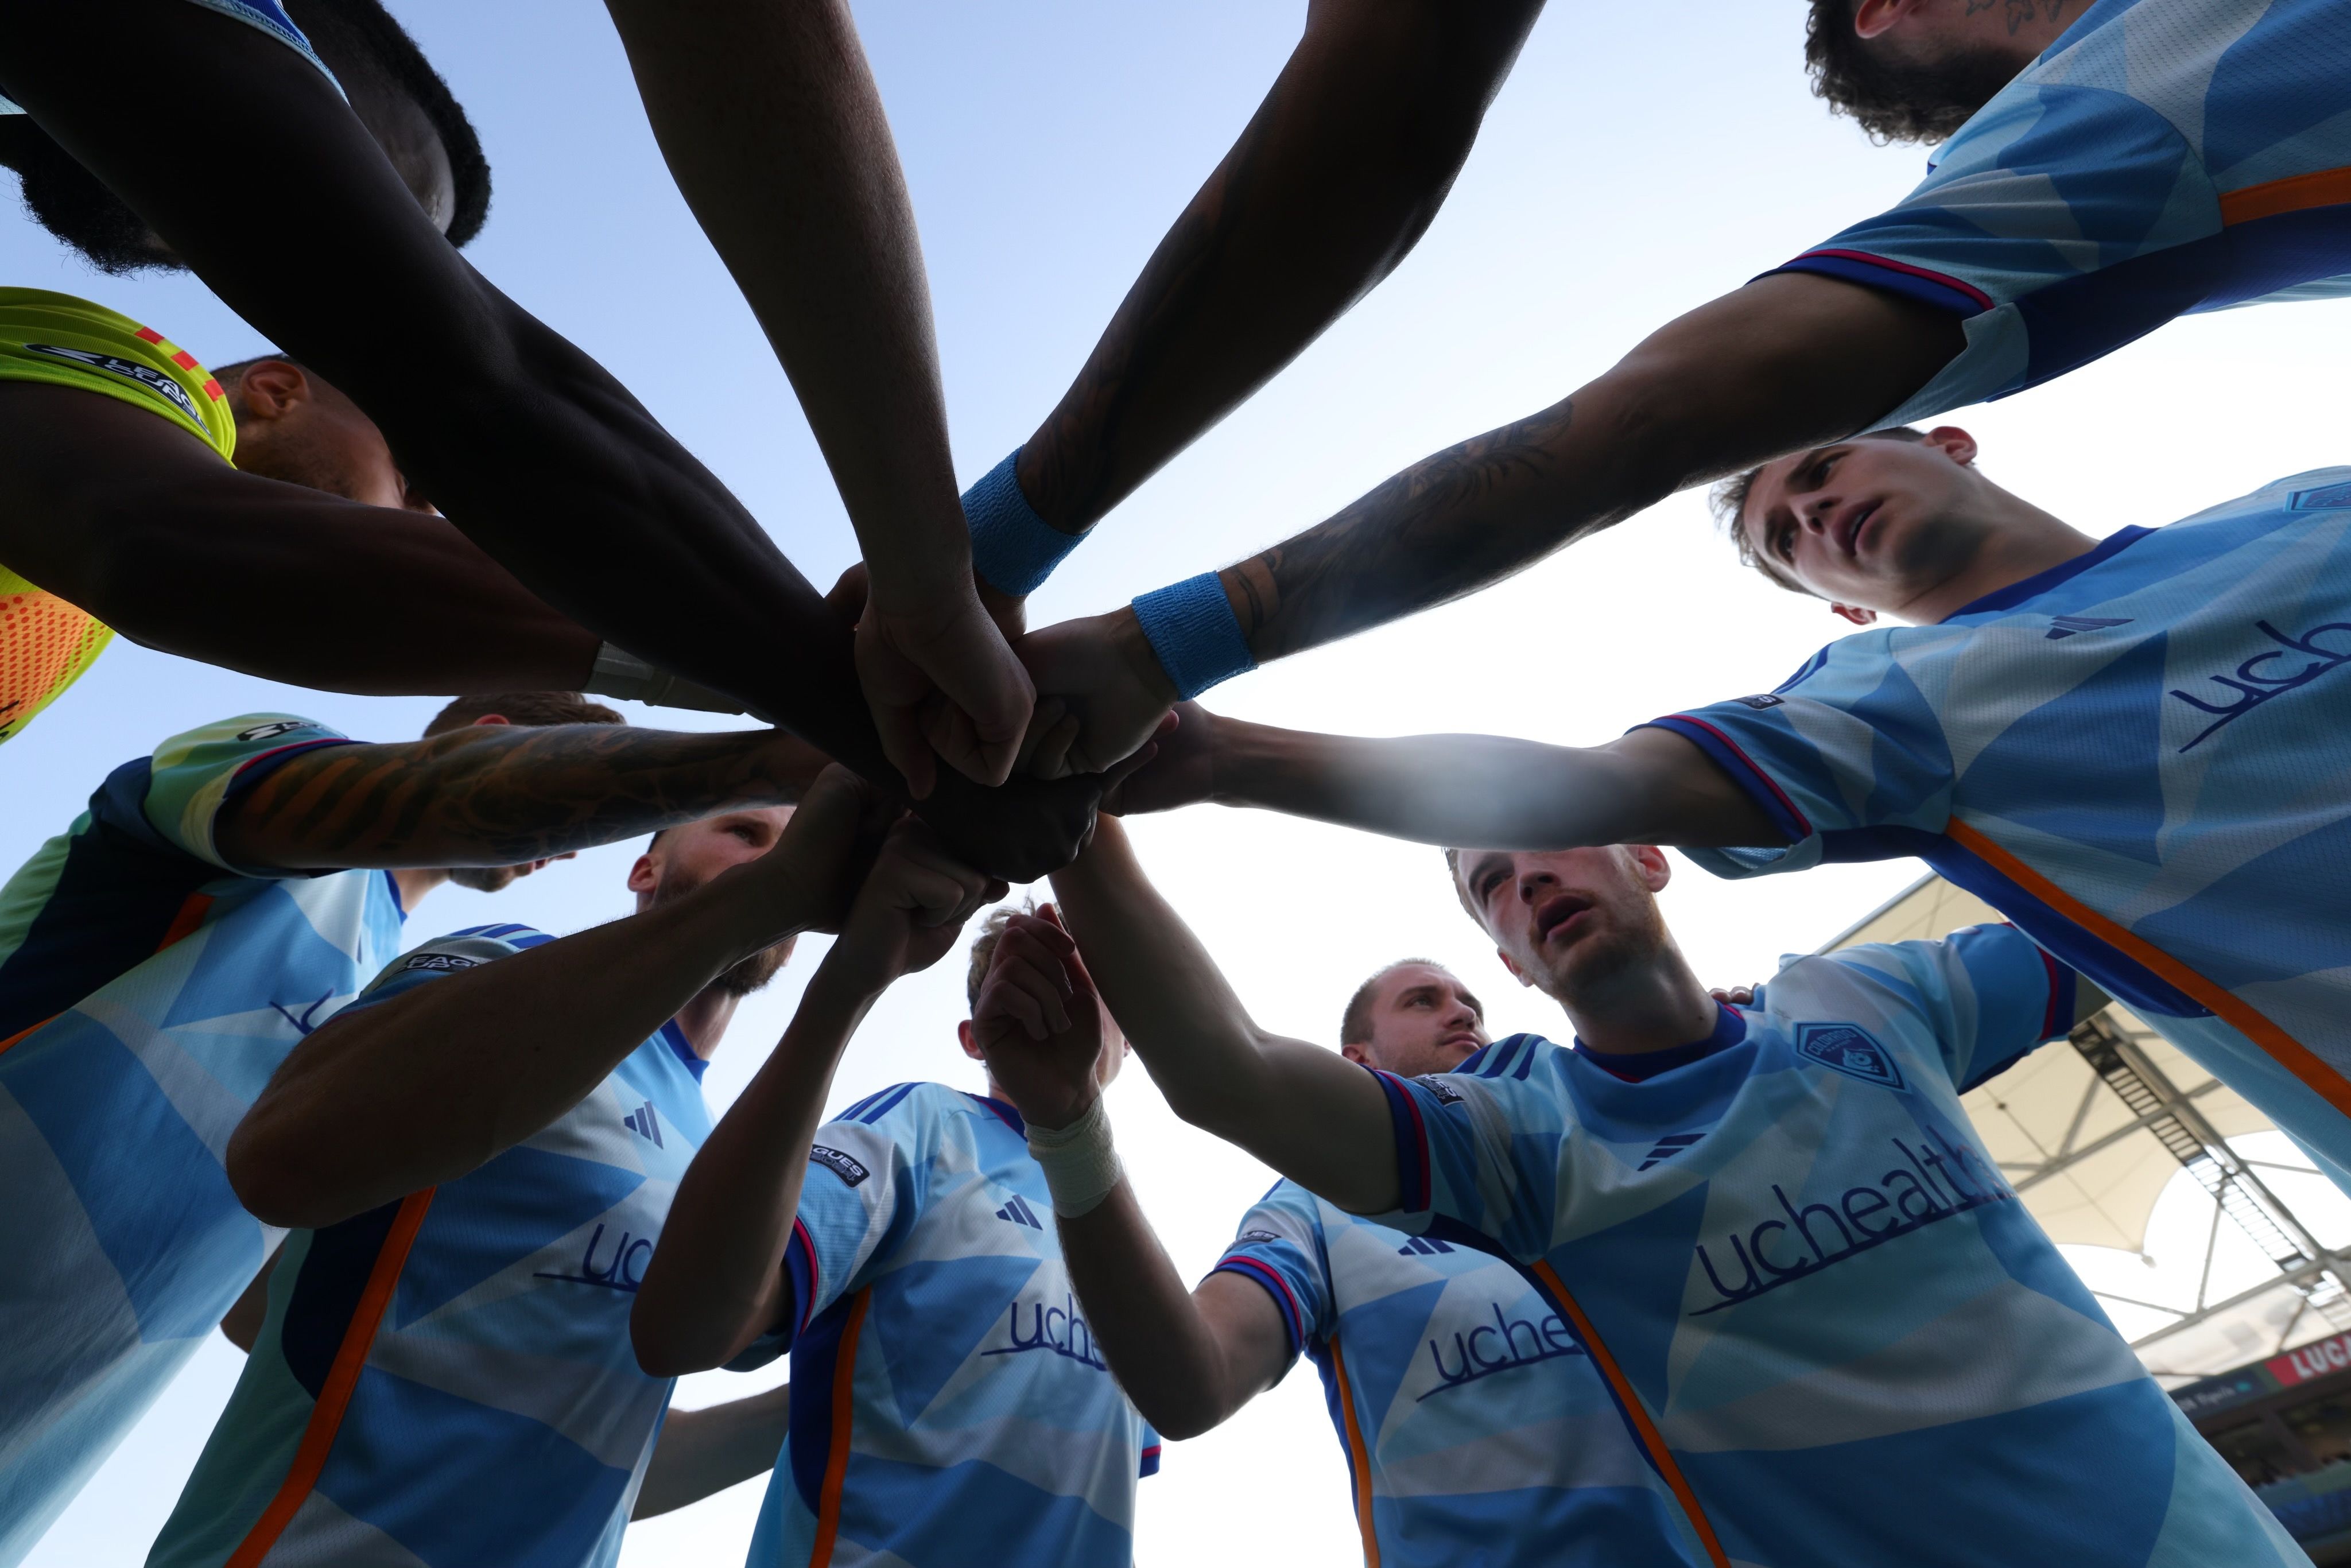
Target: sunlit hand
1101, 694
1038, 1021
911, 909
1178, 769
1733, 995
943, 683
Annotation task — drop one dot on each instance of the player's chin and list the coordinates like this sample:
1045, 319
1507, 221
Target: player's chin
488, 878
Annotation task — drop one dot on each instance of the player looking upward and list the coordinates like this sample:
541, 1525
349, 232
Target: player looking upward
160, 957
1772, 1228
477, 1158
1474, 1426
953, 1408
2112, 183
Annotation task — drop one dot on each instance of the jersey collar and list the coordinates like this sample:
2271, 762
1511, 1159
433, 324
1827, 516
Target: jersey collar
1010, 1117
1640, 1066
695, 1061
2040, 582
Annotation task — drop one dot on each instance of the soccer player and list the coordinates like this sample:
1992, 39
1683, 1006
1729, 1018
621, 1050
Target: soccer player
118, 513
2145, 159
1474, 1426
952, 1407
477, 1158
1834, 1328
2123, 745
218, 901
530, 446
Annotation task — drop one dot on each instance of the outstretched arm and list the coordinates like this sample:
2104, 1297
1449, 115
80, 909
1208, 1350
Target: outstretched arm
1308, 1113
1188, 1359
705, 1451
428, 1084
717, 1280
772, 125
1787, 359
1333, 182
1462, 791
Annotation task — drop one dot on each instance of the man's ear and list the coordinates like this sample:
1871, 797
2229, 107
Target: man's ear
969, 1040
1854, 613
1953, 443
640, 875
1873, 17
1516, 973
1355, 1053
1654, 868
272, 389
494, 718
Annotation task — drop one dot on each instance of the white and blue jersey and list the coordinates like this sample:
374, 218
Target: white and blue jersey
1475, 1428
949, 1408
148, 990
2142, 757
1832, 1325
2161, 157
448, 1381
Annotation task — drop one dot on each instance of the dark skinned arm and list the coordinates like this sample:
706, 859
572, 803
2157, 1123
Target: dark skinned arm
1788, 360
387, 1100
1333, 182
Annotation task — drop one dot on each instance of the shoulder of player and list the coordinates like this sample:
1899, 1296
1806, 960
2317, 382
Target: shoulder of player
905, 1112
466, 949
1906, 976
1517, 1059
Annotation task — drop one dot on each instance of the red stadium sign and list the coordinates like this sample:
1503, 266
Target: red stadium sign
2320, 1359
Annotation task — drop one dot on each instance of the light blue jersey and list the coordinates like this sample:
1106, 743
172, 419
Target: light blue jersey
1835, 1330
447, 1380
2140, 756
2163, 157
1475, 1428
949, 1408
148, 990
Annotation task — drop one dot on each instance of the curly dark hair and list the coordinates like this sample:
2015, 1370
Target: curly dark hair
1893, 98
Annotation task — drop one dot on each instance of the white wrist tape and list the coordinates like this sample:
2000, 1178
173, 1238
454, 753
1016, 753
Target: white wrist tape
1080, 1167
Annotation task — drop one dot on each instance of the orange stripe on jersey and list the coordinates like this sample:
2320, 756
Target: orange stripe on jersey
2295, 193
1359, 1457
149, 334
335, 1394
844, 1408
1645, 1428
28, 1032
2290, 1053
188, 921
213, 391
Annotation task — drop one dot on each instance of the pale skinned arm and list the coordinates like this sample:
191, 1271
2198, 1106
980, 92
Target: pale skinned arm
716, 1282
1789, 360
770, 121
426, 1086
1465, 791
1188, 1359
702, 1452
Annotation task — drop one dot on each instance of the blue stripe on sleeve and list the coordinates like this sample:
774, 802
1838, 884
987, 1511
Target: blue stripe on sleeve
1293, 1323
1759, 786
1411, 1143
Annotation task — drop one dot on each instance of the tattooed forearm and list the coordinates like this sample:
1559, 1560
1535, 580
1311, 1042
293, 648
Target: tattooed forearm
496, 795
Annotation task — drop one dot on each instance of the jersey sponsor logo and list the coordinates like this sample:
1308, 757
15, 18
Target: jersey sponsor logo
1924, 1185
2063, 626
1249, 1236
845, 1166
1427, 1246
623, 1268
439, 961
1849, 1050
1060, 1330
1495, 1347
1668, 1147
1446, 1093
1762, 700
273, 729
645, 1123
154, 380
1019, 1212
2294, 663
2326, 498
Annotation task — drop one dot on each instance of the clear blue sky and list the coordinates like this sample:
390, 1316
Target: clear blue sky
1640, 162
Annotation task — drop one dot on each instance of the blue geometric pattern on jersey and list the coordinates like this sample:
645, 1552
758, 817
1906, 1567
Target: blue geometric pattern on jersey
172, 987
2182, 772
983, 1426
500, 1414
1855, 1343
1485, 1434
2111, 187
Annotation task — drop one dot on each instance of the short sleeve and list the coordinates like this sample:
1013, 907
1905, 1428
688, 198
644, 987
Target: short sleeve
1280, 1248
1989, 993
866, 1182
1476, 1159
468, 949
1848, 760
191, 777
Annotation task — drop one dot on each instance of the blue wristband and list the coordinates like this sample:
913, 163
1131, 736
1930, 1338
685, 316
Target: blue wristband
1190, 626
1013, 549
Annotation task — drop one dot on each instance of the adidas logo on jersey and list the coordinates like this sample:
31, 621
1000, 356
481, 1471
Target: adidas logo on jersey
1019, 1213
1423, 1246
1668, 1147
644, 1124
2063, 626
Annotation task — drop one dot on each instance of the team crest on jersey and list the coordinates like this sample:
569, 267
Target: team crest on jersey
1850, 1051
271, 730
1446, 1093
847, 1167
2327, 498
154, 380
